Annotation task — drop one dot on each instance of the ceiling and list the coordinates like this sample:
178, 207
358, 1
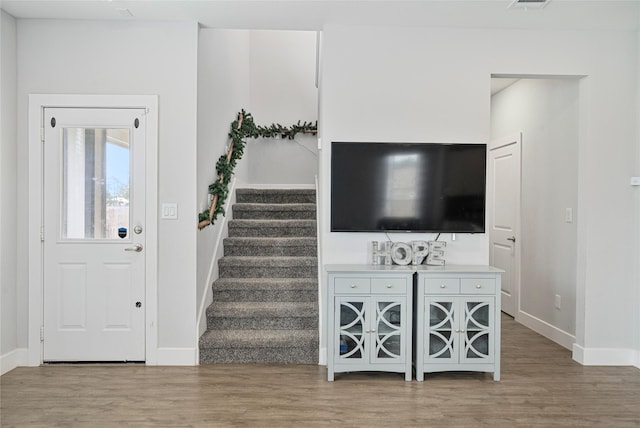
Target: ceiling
314, 14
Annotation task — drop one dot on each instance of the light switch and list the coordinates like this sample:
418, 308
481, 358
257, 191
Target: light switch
169, 211
568, 215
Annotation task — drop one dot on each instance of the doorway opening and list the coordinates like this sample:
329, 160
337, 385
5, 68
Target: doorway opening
545, 111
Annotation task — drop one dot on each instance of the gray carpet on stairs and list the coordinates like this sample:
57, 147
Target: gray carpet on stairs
265, 302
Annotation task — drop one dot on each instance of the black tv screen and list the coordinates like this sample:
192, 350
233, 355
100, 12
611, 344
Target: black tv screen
408, 187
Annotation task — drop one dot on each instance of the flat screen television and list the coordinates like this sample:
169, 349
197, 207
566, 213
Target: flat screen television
408, 187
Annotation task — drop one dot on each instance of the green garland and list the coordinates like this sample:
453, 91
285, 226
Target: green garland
242, 128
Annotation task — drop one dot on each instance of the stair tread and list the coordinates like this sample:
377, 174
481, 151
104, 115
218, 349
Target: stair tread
271, 241
258, 338
268, 206
265, 283
261, 222
270, 261
261, 309
249, 190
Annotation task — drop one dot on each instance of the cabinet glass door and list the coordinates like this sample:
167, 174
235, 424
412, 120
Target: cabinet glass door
388, 330
441, 335
478, 324
351, 340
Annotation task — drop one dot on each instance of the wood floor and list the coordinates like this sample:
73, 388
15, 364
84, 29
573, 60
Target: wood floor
541, 387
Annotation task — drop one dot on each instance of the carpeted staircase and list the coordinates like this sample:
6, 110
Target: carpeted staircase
265, 301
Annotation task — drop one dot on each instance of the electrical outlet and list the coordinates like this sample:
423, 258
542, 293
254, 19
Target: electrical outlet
558, 302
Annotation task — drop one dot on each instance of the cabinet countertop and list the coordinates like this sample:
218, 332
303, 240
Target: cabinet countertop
364, 268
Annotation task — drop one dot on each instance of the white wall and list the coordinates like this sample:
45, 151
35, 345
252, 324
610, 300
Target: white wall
283, 72
380, 84
421, 84
392, 85
8, 196
546, 111
636, 280
77, 57
283, 90
270, 74
223, 91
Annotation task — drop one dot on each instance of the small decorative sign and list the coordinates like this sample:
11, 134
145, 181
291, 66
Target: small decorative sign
122, 232
401, 253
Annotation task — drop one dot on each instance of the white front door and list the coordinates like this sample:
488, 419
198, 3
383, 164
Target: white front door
504, 220
94, 234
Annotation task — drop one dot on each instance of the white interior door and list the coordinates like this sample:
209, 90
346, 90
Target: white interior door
94, 234
504, 217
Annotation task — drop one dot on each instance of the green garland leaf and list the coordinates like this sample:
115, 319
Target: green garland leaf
239, 132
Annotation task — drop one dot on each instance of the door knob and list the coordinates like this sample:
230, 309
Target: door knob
137, 248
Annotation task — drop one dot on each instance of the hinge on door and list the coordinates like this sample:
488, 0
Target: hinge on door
42, 134
41, 333
41, 233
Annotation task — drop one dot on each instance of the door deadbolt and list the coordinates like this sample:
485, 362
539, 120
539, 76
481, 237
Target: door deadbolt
137, 230
138, 304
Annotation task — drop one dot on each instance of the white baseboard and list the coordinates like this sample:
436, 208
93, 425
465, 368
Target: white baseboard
177, 357
605, 356
322, 357
220, 232
13, 359
547, 330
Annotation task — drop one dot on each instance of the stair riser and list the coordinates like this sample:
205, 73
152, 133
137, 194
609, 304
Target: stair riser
304, 197
268, 272
270, 231
303, 355
265, 296
276, 284
274, 215
263, 323
271, 251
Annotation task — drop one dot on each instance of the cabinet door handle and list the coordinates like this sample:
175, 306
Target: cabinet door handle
353, 286
388, 285
478, 286
373, 330
457, 330
443, 286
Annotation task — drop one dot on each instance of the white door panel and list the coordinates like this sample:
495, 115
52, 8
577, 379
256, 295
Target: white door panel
504, 218
94, 280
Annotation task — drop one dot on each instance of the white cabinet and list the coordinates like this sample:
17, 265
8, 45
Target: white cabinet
457, 320
369, 319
